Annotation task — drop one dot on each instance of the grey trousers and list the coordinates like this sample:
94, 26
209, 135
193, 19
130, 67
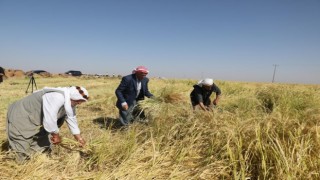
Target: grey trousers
25, 147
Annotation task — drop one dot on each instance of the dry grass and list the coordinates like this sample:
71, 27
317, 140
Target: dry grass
259, 131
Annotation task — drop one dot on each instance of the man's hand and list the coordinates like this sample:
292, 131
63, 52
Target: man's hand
80, 139
202, 106
215, 102
152, 97
209, 108
55, 138
125, 107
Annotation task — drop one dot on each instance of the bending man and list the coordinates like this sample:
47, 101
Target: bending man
31, 119
200, 96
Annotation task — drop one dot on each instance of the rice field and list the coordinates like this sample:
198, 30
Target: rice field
258, 131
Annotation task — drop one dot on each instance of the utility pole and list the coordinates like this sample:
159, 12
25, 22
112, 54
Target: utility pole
274, 71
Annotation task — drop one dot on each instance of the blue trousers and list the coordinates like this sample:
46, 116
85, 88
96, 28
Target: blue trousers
126, 116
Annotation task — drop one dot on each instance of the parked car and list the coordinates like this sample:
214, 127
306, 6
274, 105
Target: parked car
74, 73
40, 72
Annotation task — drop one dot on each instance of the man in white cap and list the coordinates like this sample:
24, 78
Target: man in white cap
31, 119
200, 96
133, 88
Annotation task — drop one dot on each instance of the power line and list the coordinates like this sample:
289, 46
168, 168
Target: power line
274, 72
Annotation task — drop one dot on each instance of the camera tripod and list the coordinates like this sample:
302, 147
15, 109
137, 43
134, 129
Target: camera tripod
32, 82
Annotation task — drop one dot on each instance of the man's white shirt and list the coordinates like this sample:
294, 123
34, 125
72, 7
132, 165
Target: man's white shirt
52, 102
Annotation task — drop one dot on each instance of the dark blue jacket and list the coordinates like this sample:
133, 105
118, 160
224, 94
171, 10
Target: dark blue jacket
127, 90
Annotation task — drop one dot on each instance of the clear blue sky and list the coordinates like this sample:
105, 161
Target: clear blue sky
233, 40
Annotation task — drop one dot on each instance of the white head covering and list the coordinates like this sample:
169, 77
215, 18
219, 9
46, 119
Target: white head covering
76, 95
206, 82
69, 93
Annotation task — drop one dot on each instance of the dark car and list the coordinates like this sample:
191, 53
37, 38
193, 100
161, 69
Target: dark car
39, 71
74, 73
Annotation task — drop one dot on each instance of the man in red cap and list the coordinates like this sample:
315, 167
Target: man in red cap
133, 88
